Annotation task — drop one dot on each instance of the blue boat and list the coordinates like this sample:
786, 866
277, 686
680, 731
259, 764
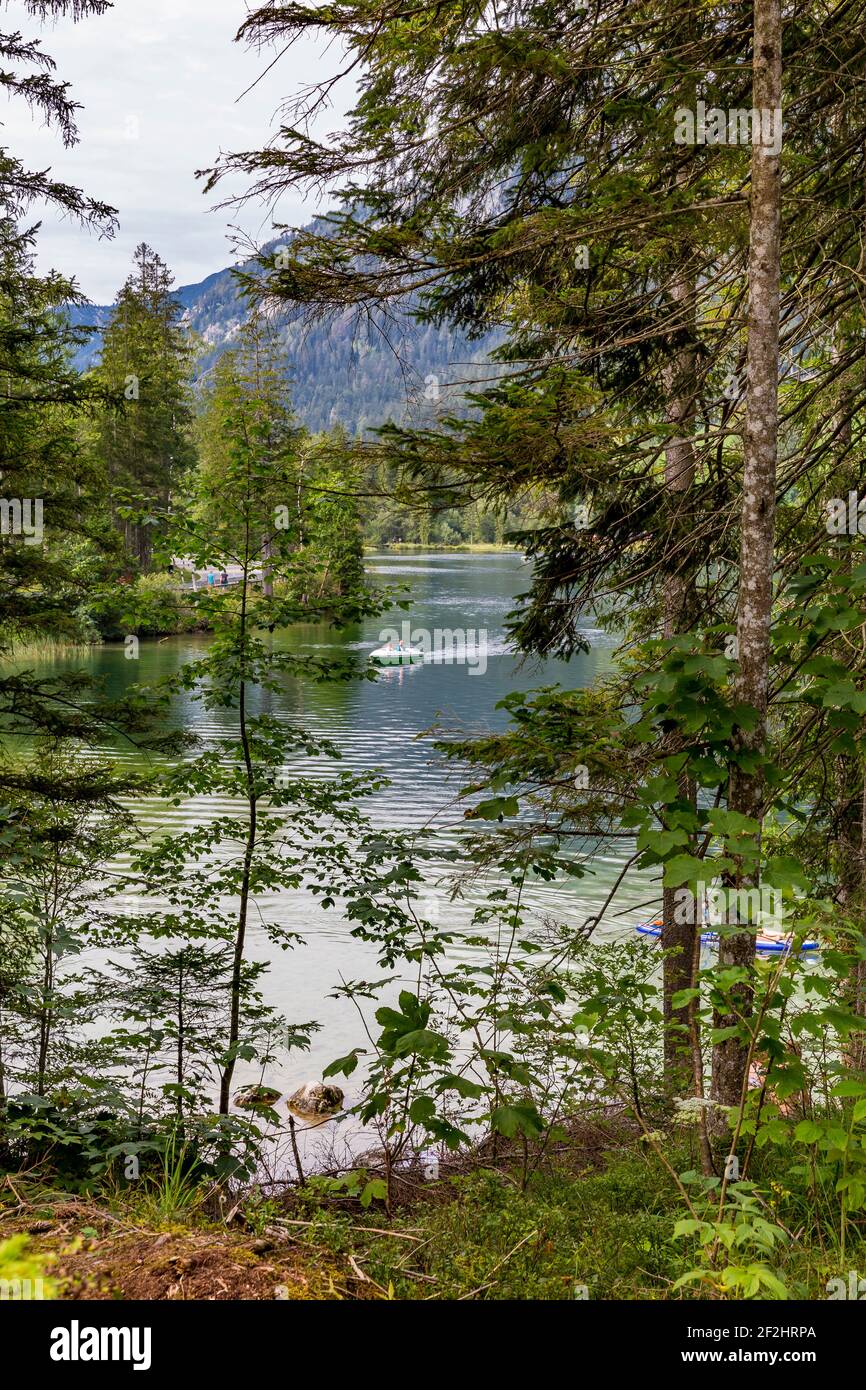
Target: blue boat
766, 943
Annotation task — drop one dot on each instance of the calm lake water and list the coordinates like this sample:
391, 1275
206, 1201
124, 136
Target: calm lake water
377, 726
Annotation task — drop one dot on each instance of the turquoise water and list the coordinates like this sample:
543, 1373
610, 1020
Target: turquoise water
382, 725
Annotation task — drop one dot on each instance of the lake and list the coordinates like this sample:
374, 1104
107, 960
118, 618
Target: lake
382, 725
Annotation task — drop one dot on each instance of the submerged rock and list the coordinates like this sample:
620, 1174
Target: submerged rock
251, 1097
315, 1098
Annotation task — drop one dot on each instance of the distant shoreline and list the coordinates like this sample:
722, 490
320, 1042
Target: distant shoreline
481, 548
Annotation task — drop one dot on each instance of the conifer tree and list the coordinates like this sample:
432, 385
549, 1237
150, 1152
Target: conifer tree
56, 545
145, 363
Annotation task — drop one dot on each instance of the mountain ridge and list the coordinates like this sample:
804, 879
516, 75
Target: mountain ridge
335, 376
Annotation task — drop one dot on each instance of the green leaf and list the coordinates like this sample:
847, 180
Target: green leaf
510, 1120
470, 1090
849, 1087
808, 1132
344, 1066
682, 869
376, 1189
497, 808
422, 1042
422, 1109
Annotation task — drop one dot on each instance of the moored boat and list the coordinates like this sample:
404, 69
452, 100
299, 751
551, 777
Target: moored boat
766, 941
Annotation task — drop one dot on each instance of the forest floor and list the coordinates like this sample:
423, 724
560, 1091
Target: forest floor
306, 1244
592, 1219
89, 1252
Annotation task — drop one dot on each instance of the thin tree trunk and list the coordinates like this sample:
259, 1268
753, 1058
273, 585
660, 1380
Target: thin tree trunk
680, 930
2, 1058
249, 851
755, 594
678, 927
46, 1011
850, 787
267, 570
181, 1037
852, 895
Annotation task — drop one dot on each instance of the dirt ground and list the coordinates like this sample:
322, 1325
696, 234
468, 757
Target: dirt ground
97, 1256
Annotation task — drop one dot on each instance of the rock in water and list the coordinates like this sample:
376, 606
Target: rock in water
315, 1098
250, 1097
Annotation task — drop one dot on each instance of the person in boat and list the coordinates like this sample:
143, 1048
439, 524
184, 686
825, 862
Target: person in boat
757, 1075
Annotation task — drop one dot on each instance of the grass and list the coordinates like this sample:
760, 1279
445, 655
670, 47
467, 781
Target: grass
31, 645
479, 1236
597, 1221
176, 1194
602, 1233
23, 1273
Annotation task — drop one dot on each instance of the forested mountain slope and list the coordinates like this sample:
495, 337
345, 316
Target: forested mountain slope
341, 373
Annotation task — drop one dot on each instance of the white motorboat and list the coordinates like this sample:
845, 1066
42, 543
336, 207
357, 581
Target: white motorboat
395, 654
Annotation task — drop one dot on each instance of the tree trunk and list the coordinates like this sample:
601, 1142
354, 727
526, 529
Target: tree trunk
746, 787
852, 889
850, 786
236, 982
678, 936
181, 1038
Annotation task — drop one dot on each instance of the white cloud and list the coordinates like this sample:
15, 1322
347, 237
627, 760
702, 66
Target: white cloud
160, 99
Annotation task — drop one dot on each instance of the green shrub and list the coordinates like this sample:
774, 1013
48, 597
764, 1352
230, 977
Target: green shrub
153, 605
22, 1274
610, 1232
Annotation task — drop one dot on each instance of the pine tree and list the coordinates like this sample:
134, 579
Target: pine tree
144, 440
55, 545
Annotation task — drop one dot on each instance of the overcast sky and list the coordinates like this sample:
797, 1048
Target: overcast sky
159, 82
